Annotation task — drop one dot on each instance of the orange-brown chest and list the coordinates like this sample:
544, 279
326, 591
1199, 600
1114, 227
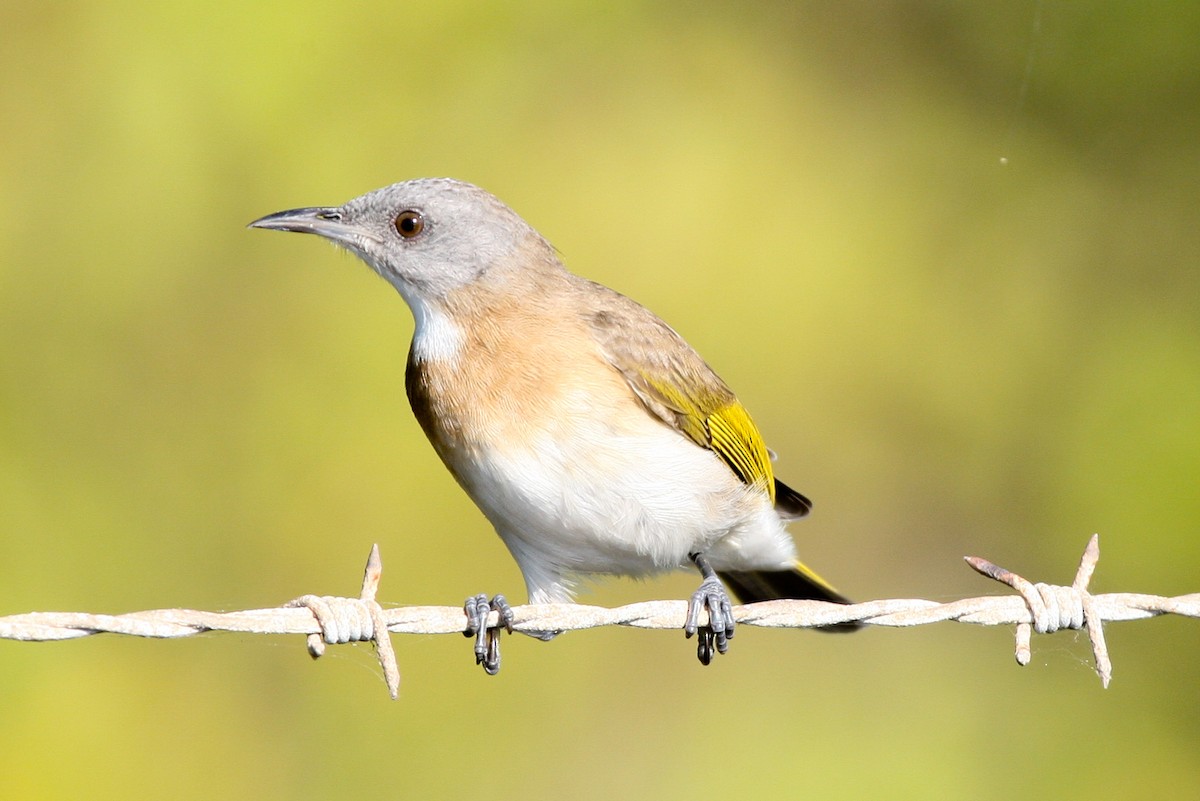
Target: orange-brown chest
505, 384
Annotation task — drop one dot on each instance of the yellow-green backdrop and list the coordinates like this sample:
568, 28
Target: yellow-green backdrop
948, 254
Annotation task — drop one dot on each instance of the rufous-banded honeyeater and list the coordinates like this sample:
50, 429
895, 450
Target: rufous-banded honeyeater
591, 435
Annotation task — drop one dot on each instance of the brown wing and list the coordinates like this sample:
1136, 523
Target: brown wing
679, 388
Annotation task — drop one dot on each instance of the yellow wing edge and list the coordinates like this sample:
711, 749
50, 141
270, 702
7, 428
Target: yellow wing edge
734, 437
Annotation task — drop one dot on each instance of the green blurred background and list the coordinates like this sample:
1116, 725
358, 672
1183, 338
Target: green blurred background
948, 253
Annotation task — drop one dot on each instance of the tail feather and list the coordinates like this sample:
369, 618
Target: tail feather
799, 583
790, 504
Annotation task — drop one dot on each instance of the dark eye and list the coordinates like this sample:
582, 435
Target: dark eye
409, 223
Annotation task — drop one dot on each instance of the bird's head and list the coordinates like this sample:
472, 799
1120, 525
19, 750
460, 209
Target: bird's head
428, 237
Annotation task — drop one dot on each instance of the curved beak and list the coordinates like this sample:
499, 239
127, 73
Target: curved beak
324, 221
320, 220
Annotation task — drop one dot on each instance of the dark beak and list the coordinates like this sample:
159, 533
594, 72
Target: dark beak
316, 220
327, 222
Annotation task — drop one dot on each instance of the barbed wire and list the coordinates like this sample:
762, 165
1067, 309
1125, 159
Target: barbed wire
1039, 607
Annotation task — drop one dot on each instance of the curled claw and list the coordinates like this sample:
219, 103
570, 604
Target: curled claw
476, 609
487, 640
712, 596
715, 636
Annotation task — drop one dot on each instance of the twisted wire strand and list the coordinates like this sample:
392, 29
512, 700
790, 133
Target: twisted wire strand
1043, 608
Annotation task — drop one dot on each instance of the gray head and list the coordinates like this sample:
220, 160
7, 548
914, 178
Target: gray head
427, 237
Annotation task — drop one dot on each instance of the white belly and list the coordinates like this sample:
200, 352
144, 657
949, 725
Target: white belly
626, 499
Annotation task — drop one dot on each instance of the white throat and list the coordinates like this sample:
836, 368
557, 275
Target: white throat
436, 338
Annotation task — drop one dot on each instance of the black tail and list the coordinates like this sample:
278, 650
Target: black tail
800, 583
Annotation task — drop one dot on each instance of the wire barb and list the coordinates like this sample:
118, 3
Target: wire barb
1053, 607
1040, 607
361, 619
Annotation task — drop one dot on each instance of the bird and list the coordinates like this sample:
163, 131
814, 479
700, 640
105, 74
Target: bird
592, 436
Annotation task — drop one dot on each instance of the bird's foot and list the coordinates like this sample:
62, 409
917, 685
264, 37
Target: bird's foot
487, 640
711, 596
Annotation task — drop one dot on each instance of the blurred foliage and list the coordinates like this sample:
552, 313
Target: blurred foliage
947, 252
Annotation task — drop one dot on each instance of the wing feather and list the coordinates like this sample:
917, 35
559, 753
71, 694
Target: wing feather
678, 387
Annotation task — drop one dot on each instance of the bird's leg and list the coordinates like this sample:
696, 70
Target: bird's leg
710, 595
487, 640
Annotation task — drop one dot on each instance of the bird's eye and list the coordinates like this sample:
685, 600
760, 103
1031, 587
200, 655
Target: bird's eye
409, 223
